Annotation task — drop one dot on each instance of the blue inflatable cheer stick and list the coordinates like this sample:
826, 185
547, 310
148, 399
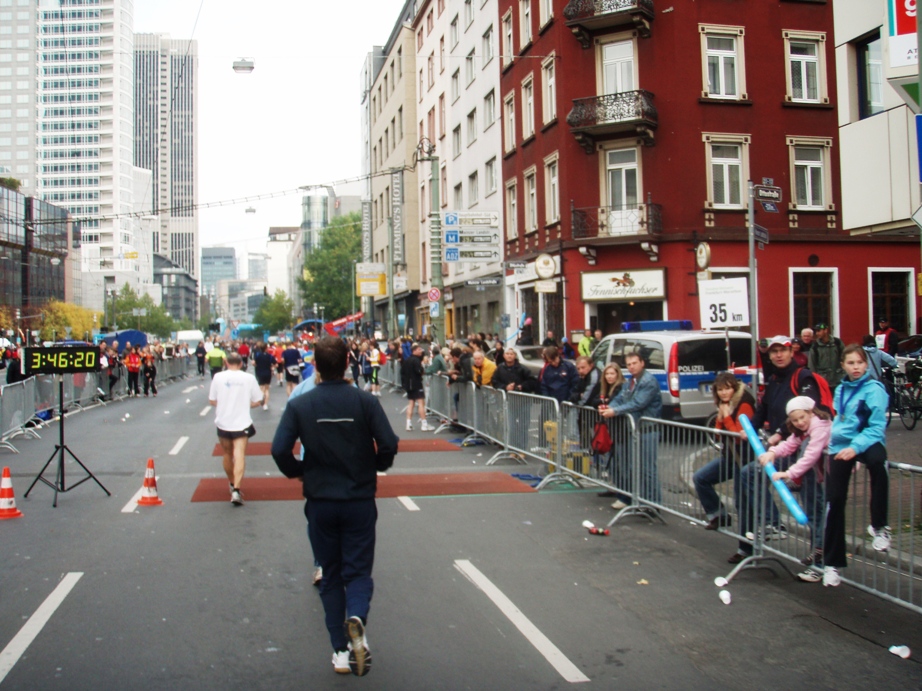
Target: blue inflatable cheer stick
780, 487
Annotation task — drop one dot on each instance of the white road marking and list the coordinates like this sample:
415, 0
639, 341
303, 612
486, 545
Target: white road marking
205, 410
178, 447
542, 643
10, 655
189, 388
133, 502
409, 503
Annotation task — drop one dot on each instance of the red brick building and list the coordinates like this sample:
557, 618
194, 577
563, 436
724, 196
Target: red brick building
630, 131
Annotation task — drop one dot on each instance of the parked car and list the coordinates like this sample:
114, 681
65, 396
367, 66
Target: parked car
685, 362
530, 356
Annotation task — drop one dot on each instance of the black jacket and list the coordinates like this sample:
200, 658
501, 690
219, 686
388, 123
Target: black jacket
339, 427
411, 374
582, 391
778, 392
517, 374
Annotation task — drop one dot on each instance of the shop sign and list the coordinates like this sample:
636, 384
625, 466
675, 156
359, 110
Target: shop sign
631, 284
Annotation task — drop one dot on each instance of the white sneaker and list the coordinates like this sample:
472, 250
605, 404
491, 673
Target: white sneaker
810, 576
409, 426
881, 542
265, 406
359, 654
236, 498
341, 662
424, 426
617, 505
831, 577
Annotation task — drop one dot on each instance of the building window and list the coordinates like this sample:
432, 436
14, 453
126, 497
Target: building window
473, 189
546, 11
456, 85
400, 124
509, 122
453, 32
490, 177
811, 186
727, 169
468, 12
870, 76
421, 89
528, 107
441, 55
430, 69
430, 22
549, 89
531, 200
458, 197
511, 211
524, 22
489, 109
469, 68
441, 7
507, 38
890, 298
472, 127
456, 141
551, 189
487, 50
444, 178
723, 62
422, 201
419, 40
431, 123
806, 57
441, 115
813, 291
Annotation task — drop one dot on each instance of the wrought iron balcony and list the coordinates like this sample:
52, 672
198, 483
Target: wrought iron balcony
611, 115
633, 221
586, 16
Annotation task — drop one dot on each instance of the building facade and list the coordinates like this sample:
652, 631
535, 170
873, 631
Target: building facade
179, 291
217, 263
166, 141
617, 173
395, 200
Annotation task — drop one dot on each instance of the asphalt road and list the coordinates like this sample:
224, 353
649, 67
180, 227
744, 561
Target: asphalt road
472, 592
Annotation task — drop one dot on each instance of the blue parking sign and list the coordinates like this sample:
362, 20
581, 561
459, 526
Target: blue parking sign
452, 237
452, 254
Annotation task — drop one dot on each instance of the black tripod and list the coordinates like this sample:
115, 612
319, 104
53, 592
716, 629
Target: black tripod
58, 485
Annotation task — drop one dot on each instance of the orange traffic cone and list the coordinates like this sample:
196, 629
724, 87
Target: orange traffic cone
149, 488
7, 500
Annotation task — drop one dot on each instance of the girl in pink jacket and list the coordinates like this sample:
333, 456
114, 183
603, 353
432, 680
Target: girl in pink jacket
807, 443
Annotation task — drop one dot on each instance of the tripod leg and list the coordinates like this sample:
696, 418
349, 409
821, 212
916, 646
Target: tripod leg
87, 470
42, 472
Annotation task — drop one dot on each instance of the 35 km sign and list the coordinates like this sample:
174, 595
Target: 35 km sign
724, 302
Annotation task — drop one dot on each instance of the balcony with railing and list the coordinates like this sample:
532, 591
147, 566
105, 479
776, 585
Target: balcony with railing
587, 16
612, 115
631, 222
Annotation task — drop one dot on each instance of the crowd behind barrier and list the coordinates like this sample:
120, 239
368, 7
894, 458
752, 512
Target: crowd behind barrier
651, 467
27, 405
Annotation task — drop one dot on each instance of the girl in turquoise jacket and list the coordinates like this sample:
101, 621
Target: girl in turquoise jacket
858, 435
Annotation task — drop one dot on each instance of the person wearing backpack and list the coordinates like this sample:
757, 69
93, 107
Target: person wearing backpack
825, 356
785, 381
732, 400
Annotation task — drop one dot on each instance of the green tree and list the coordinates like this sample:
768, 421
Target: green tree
10, 184
328, 279
275, 312
156, 321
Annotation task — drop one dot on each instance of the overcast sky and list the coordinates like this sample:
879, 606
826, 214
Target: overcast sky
295, 120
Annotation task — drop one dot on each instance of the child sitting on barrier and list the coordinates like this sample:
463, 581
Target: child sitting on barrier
732, 400
810, 429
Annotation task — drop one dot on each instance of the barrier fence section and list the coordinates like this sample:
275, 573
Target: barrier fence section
26, 405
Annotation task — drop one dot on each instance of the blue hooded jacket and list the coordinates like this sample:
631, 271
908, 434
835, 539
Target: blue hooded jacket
861, 410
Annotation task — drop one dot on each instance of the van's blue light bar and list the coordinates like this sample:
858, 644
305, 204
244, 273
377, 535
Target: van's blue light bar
661, 325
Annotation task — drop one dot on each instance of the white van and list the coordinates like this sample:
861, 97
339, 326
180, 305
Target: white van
684, 362
191, 338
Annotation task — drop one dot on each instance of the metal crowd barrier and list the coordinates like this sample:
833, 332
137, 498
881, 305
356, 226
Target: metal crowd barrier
26, 405
658, 467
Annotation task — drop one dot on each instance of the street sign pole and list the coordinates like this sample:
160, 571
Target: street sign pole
425, 151
753, 301
391, 308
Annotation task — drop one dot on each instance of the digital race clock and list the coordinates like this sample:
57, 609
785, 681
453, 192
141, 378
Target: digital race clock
60, 360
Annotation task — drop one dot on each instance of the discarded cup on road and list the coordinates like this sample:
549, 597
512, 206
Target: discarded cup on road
725, 596
588, 524
901, 650
720, 581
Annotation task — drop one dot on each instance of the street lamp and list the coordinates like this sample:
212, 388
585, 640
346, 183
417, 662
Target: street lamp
321, 321
244, 65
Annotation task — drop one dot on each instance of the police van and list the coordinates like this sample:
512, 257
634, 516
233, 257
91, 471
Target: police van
684, 362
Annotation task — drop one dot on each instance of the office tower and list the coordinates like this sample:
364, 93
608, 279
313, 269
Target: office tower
165, 141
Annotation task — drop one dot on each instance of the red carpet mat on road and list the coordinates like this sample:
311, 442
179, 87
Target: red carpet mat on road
417, 485
264, 448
